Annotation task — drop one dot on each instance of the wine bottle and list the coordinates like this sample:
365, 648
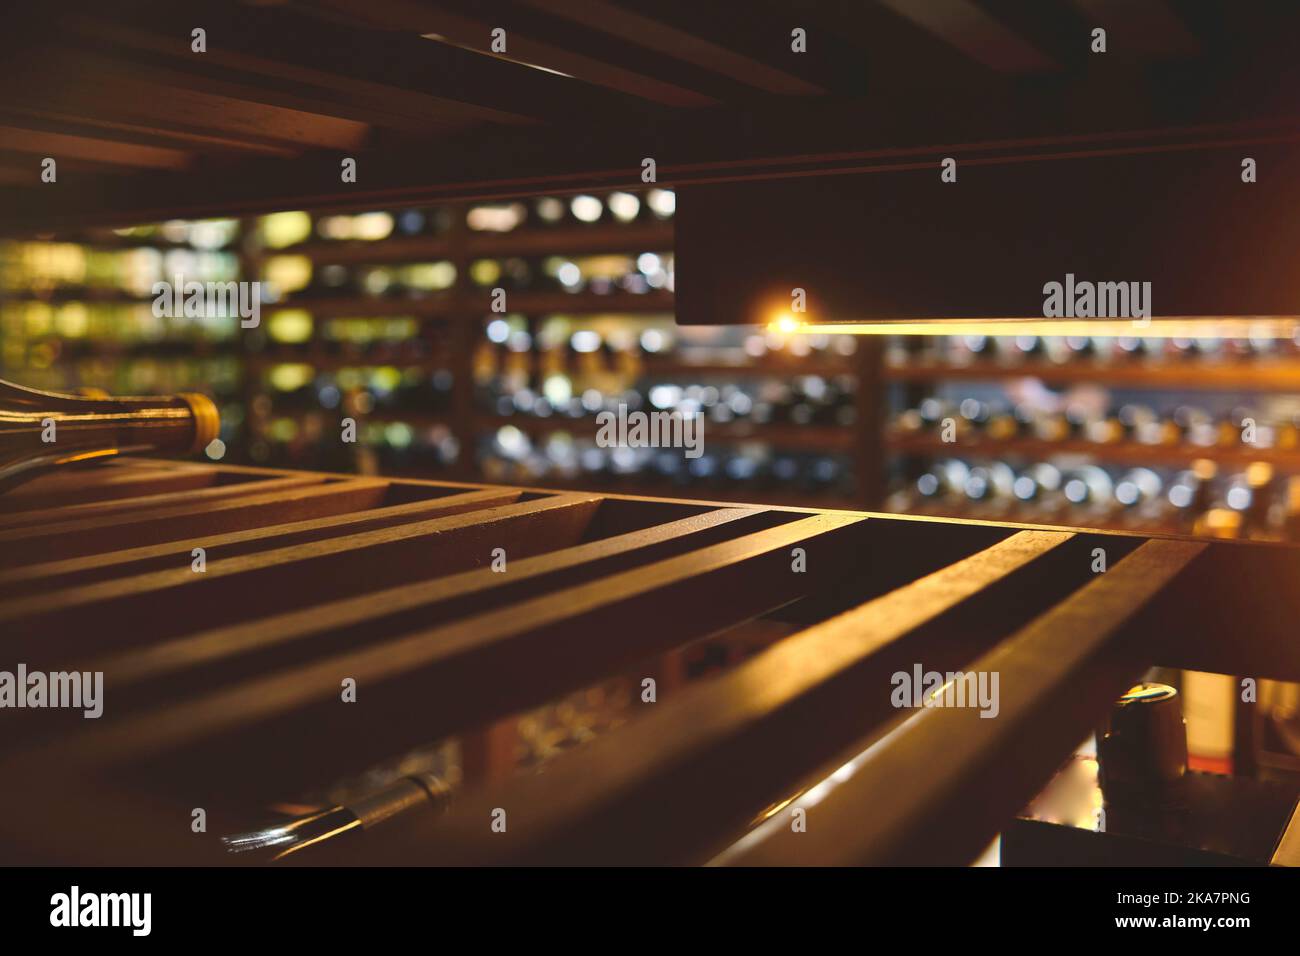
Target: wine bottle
40, 430
280, 840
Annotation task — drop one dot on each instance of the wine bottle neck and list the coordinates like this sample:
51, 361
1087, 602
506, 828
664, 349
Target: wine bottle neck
42, 429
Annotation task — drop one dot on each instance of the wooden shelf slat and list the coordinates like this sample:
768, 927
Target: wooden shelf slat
698, 766
369, 514
102, 482
47, 520
1057, 676
225, 687
57, 624
275, 502
369, 616
1260, 375
829, 437
511, 657
476, 304
1126, 452
548, 241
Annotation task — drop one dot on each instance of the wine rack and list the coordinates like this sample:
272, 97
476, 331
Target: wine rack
226, 685
1130, 433
387, 318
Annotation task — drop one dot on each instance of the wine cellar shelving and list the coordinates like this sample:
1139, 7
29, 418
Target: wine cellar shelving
393, 319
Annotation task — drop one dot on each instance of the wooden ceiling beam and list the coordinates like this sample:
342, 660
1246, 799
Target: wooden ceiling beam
362, 57
1059, 29
281, 81
17, 138
115, 131
88, 86
470, 33
832, 61
975, 33
661, 37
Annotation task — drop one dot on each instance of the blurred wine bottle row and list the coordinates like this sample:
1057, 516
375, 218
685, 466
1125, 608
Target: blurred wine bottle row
480, 341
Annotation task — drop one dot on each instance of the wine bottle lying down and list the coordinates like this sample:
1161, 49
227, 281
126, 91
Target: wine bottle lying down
40, 430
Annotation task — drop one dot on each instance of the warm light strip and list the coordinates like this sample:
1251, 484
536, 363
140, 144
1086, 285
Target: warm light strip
439, 38
1180, 327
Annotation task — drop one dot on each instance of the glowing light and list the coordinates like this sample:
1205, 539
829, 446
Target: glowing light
550, 209
291, 376
288, 273
372, 226
585, 340
624, 206
569, 274
282, 229
1210, 327
586, 208
496, 218
290, 325
786, 324
662, 202
399, 434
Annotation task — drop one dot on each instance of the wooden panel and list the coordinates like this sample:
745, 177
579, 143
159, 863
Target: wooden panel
968, 774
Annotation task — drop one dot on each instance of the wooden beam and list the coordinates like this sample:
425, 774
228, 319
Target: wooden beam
479, 667
376, 102
654, 34
371, 514
969, 28
965, 775
240, 508
60, 624
88, 86
445, 26
673, 783
207, 653
101, 150
48, 520
102, 482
